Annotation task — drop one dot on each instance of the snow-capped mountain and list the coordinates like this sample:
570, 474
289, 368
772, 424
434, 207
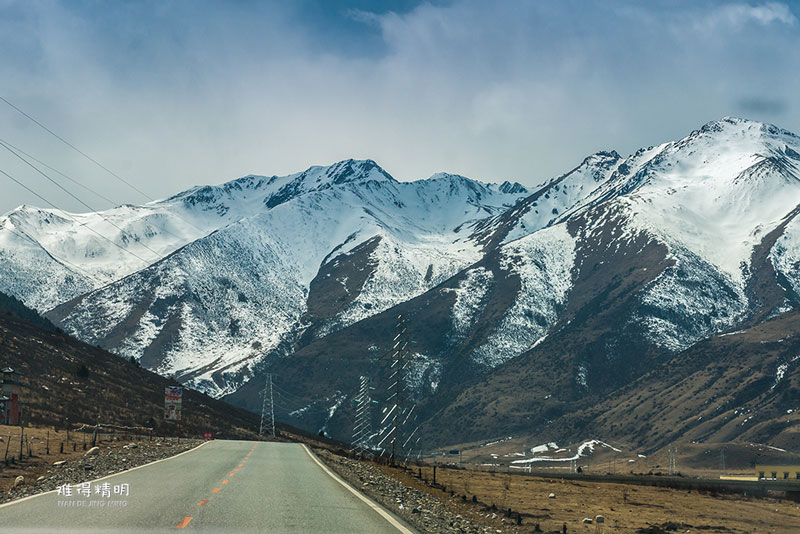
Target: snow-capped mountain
592, 280
522, 305
212, 279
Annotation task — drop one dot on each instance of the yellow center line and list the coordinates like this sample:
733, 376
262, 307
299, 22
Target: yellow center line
203, 502
215, 490
182, 524
224, 481
231, 474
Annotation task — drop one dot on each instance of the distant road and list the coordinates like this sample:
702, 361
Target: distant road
221, 486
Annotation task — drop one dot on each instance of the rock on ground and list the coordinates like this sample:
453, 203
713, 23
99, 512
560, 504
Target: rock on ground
420, 509
86, 468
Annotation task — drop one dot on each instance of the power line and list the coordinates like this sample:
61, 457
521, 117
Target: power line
71, 179
291, 396
60, 260
76, 149
90, 208
71, 218
92, 191
90, 158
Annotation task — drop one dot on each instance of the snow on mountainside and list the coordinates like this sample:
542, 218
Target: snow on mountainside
552, 202
543, 261
594, 280
199, 311
29, 272
719, 191
710, 198
565, 194
673, 243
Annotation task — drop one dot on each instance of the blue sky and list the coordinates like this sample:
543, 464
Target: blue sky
173, 94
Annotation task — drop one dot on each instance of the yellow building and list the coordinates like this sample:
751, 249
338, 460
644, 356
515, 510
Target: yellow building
778, 472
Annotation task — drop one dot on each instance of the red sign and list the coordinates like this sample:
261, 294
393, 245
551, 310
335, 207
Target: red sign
208, 436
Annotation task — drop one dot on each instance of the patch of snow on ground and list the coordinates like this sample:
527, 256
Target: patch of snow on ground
544, 448
582, 448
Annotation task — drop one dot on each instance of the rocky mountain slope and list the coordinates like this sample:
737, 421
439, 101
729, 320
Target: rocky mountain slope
526, 308
245, 269
667, 247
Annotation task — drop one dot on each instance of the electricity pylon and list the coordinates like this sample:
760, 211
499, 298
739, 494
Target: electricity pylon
362, 429
267, 409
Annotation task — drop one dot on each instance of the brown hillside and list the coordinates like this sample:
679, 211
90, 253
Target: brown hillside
115, 391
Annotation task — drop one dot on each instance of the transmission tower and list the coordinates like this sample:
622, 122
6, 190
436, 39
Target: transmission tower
397, 388
267, 409
362, 429
672, 465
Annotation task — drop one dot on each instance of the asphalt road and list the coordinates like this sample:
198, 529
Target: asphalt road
221, 486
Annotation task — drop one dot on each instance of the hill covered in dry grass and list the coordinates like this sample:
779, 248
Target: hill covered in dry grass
66, 380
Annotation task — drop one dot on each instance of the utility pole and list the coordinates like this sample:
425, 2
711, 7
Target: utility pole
362, 429
267, 409
722, 468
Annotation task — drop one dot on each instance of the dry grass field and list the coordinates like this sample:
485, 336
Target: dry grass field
626, 508
705, 460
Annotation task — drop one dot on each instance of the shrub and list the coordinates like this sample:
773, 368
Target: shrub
83, 371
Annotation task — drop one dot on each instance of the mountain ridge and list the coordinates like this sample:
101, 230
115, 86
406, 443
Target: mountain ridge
594, 278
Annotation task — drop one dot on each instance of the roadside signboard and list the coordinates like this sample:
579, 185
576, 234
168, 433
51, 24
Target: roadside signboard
172, 403
208, 436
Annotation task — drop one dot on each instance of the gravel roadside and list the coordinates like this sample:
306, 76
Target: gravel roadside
107, 460
424, 511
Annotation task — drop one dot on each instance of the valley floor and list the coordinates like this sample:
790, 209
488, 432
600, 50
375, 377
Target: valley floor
483, 499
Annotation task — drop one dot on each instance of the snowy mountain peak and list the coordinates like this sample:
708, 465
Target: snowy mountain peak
456, 179
735, 127
317, 178
719, 125
350, 171
25, 214
515, 188
459, 183
603, 159
278, 189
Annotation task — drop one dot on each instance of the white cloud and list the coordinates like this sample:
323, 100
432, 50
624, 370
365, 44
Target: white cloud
739, 15
171, 94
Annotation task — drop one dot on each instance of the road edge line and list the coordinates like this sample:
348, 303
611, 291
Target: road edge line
388, 516
107, 476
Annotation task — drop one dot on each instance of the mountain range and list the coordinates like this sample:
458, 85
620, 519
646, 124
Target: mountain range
576, 306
